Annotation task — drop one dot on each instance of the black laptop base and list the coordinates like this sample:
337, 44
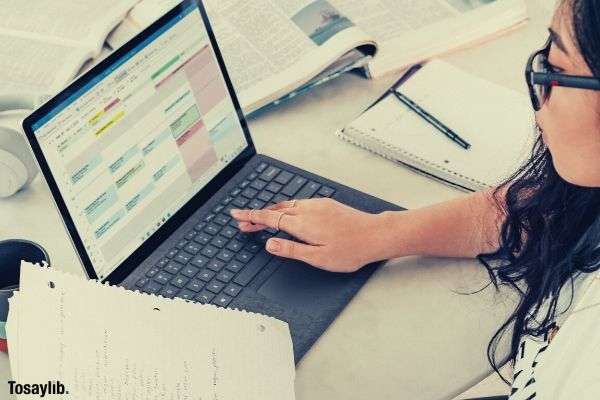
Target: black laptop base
208, 260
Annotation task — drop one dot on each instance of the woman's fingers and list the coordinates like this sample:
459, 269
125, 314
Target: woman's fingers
250, 227
289, 207
326, 233
295, 250
266, 217
284, 204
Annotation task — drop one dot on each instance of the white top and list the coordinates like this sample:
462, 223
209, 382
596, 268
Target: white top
566, 366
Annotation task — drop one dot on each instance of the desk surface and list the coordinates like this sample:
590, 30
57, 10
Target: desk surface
409, 332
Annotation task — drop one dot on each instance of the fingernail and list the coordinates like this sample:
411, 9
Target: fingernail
235, 212
273, 245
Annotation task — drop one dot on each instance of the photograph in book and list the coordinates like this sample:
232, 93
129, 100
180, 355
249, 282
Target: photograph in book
466, 5
320, 21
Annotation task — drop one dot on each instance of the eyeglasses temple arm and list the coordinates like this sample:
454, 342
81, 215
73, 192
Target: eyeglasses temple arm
581, 82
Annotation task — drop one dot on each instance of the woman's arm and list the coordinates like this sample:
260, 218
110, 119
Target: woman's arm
463, 227
336, 237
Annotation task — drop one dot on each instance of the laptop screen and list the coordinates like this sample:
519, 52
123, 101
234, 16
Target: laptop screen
130, 147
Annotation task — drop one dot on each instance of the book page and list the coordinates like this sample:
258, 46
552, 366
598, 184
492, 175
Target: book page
78, 22
389, 19
294, 41
92, 62
126, 30
118, 344
44, 45
409, 31
31, 67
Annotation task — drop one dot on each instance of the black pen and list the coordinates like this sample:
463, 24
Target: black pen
432, 120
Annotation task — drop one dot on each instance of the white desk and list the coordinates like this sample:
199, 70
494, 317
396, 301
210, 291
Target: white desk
407, 333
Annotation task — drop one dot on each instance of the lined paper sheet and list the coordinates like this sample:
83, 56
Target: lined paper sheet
105, 342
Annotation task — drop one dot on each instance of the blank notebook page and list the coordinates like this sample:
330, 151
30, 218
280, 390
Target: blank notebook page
496, 121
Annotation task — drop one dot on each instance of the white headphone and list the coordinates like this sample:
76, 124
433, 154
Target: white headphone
17, 166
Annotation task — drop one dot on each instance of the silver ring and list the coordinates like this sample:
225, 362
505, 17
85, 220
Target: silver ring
293, 203
250, 215
279, 220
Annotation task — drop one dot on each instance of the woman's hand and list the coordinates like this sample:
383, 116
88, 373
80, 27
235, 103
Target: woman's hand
336, 237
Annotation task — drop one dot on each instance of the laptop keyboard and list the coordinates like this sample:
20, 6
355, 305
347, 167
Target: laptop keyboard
213, 262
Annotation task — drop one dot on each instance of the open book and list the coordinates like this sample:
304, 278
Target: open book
44, 44
273, 48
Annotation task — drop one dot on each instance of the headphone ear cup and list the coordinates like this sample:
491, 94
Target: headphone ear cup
14, 174
16, 160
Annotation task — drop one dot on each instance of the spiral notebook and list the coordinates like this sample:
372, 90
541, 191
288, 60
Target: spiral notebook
496, 121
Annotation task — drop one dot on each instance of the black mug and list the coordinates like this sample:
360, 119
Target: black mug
12, 252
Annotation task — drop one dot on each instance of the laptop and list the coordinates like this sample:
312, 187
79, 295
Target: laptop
146, 154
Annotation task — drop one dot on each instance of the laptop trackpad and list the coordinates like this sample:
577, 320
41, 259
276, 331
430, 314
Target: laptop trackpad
304, 287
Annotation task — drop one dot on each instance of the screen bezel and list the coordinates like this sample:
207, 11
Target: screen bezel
149, 245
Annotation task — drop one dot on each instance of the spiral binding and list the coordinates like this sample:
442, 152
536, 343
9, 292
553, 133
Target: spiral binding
342, 134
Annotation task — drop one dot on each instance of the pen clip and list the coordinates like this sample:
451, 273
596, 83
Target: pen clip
409, 72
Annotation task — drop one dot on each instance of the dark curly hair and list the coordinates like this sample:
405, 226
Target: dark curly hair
551, 232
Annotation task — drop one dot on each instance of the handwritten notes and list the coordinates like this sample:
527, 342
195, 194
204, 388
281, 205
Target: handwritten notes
105, 342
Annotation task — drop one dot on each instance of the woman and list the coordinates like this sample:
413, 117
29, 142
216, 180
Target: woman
541, 227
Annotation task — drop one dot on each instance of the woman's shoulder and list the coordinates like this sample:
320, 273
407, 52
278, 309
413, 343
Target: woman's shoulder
572, 293
575, 295
591, 292
589, 288
575, 351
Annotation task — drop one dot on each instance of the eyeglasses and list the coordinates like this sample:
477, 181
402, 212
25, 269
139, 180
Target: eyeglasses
541, 76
